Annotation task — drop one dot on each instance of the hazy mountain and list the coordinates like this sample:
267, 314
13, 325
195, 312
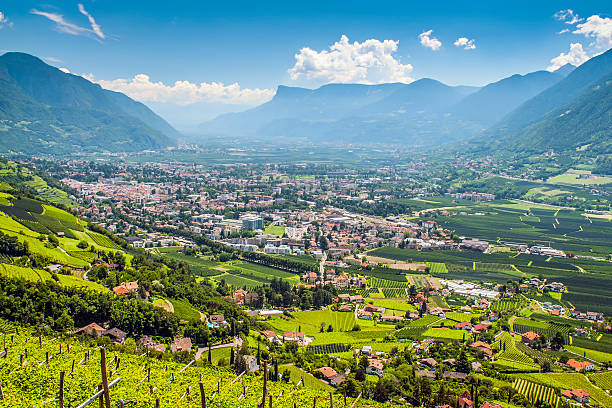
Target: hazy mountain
565, 70
395, 113
425, 112
45, 109
492, 102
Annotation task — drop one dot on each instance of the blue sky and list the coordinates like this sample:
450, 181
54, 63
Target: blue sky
242, 50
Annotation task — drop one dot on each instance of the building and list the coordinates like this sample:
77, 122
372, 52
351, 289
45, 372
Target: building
116, 336
125, 288
217, 320
250, 363
181, 344
252, 222
375, 367
580, 365
580, 396
91, 330
529, 337
151, 344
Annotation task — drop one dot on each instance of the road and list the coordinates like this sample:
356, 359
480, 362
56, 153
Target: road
322, 266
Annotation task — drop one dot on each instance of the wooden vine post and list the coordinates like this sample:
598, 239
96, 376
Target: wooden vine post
202, 396
265, 385
104, 377
60, 396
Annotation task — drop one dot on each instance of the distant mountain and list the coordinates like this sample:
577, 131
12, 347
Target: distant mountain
494, 101
563, 92
423, 113
43, 109
565, 70
345, 113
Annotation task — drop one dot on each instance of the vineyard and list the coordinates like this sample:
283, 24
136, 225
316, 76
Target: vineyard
329, 348
437, 267
67, 372
537, 393
546, 329
510, 358
505, 305
394, 293
383, 283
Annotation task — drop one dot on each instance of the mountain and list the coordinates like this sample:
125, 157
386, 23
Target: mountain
45, 109
346, 113
565, 70
423, 113
584, 121
492, 102
563, 92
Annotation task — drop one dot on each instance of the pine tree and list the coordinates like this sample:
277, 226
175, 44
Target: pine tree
232, 356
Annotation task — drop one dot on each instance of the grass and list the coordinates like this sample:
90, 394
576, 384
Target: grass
393, 304
571, 177
595, 355
184, 310
40, 275
275, 230
446, 333
310, 381
310, 322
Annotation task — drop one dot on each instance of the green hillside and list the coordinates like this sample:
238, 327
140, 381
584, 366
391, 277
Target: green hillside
43, 109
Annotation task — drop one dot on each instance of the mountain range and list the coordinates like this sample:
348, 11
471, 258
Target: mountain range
421, 113
43, 109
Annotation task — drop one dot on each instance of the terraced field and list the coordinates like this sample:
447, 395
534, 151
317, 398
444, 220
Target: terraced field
310, 321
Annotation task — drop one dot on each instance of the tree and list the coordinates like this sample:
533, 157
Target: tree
323, 244
232, 355
82, 244
545, 366
381, 394
463, 365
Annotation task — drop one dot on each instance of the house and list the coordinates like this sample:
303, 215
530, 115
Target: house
430, 362
356, 299
293, 336
482, 346
580, 365
455, 376
250, 363
151, 344
465, 402
344, 297
529, 337
336, 380
391, 319
217, 320
488, 404
425, 373
375, 368
326, 372
480, 327
373, 309
345, 308
117, 336
476, 366
463, 326
365, 315
269, 335
580, 396
181, 344
91, 330
125, 287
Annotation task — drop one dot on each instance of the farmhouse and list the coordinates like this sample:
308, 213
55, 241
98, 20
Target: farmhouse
125, 288
577, 395
217, 320
251, 364
375, 368
580, 365
181, 344
327, 372
529, 337
91, 330
151, 344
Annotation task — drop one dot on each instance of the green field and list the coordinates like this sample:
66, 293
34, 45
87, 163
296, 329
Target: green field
310, 381
572, 177
564, 381
310, 322
40, 275
184, 310
275, 230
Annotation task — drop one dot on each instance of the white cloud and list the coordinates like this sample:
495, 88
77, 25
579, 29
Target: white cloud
4, 21
64, 26
369, 62
143, 89
568, 16
428, 42
465, 43
575, 56
599, 28
95, 27
565, 30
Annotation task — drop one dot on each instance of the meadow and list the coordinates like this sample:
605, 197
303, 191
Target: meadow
310, 322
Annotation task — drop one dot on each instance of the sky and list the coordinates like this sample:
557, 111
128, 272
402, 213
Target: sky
192, 60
